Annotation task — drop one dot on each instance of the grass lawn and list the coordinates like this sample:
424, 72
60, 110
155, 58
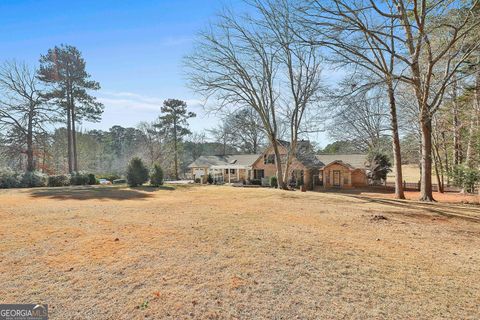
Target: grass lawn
223, 252
410, 173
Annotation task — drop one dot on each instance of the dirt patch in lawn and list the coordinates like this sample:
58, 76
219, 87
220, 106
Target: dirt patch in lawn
223, 252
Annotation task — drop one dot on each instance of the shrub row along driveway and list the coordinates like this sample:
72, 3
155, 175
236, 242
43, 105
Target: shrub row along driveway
222, 252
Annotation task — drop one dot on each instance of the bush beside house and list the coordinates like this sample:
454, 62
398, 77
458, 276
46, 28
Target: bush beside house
273, 182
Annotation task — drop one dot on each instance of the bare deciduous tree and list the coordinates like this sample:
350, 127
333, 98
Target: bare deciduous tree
422, 43
259, 63
360, 115
233, 62
355, 36
23, 111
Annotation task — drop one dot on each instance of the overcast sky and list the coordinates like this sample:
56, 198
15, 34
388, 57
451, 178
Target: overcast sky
133, 48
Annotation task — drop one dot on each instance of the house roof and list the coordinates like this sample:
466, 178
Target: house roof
237, 160
357, 161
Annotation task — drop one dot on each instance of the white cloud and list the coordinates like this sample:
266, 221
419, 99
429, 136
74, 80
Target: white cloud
134, 101
129, 108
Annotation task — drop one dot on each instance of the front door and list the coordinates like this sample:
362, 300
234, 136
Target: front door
336, 178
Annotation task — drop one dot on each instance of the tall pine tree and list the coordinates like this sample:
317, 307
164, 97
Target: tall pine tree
63, 69
174, 126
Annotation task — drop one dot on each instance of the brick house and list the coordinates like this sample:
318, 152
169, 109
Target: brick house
228, 168
316, 171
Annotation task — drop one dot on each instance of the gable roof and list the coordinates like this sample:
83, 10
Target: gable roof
304, 154
237, 159
356, 161
243, 159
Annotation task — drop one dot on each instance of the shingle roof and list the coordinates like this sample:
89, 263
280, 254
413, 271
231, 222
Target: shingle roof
243, 159
357, 161
237, 159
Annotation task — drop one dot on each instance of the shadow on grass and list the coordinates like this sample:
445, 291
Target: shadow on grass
153, 189
89, 193
441, 209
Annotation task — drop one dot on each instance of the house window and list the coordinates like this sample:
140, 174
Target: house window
269, 159
258, 174
226, 171
232, 171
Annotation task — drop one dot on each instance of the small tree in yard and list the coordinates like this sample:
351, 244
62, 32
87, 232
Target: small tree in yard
273, 182
156, 178
137, 173
380, 167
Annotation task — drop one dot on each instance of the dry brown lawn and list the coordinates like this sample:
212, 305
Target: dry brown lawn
410, 173
234, 253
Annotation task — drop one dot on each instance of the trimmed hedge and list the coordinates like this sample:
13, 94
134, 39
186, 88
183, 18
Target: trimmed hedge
79, 179
60, 180
34, 179
10, 179
256, 182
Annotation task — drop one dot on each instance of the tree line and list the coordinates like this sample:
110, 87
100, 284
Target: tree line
33, 99
411, 70
410, 87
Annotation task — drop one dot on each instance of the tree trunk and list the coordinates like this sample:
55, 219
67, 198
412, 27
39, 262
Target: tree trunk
426, 174
278, 163
397, 157
456, 126
74, 140
30, 164
288, 162
69, 139
477, 101
438, 167
468, 155
445, 156
175, 147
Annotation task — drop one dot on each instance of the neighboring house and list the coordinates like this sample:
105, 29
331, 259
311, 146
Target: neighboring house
344, 170
228, 168
329, 170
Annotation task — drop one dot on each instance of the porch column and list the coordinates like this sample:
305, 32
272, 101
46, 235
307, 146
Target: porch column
324, 179
228, 175
238, 174
331, 177
349, 178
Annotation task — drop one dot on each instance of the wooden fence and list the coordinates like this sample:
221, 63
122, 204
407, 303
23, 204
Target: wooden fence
415, 186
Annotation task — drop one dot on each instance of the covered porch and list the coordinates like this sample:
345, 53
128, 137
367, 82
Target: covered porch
232, 173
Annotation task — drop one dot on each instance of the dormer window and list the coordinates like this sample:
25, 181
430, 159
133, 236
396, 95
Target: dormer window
269, 159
